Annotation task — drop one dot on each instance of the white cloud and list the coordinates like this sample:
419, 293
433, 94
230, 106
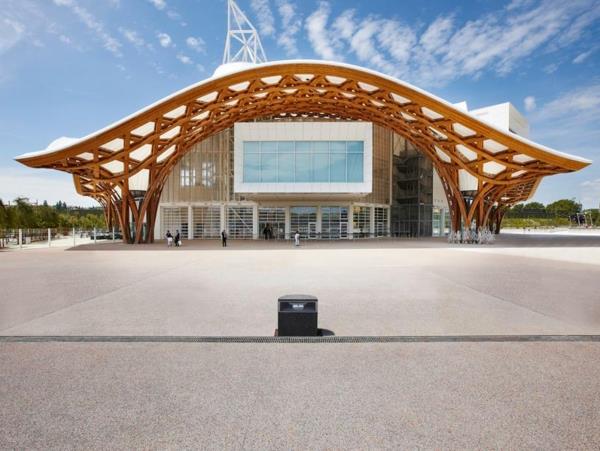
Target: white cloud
11, 32
184, 58
323, 42
291, 23
582, 57
582, 103
264, 15
529, 103
437, 34
132, 36
159, 4
165, 40
444, 49
550, 68
39, 185
109, 42
196, 44
590, 193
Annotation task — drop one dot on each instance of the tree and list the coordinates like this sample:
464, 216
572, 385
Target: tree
3, 216
25, 215
564, 208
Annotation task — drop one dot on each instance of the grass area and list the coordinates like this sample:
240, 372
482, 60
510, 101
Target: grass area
534, 222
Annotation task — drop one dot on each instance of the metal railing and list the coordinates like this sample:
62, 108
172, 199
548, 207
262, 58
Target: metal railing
55, 237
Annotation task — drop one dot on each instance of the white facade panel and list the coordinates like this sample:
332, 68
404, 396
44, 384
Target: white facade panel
504, 116
303, 131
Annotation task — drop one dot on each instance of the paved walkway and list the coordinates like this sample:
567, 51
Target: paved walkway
302, 396
366, 288
479, 395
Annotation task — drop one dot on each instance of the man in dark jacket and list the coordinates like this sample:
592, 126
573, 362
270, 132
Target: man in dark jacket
224, 238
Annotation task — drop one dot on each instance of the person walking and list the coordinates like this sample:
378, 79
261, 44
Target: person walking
266, 231
297, 238
177, 239
224, 238
169, 237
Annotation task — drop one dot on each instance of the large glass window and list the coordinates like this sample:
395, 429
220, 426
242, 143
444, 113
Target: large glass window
303, 161
240, 221
334, 222
362, 222
304, 221
207, 221
271, 222
174, 219
381, 221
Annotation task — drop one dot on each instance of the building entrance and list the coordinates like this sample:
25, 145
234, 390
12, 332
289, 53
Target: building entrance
304, 220
274, 218
334, 223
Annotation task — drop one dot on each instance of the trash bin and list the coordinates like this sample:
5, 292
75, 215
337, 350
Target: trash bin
297, 316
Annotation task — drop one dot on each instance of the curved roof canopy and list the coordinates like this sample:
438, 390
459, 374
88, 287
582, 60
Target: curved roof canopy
136, 153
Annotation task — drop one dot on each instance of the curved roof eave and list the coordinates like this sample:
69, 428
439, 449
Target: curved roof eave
72, 141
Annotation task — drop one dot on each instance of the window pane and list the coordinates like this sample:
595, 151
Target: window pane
321, 167
251, 168
338, 167
303, 170
338, 146
286, 168
355, 146
322, 146
285, 146
251, 146
355, 167
268, 167
304, 146
268, 146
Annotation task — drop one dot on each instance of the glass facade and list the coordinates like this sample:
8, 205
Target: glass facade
240, 222
381, 221
271, 219
334, 223
303, 220
303, 161
362, 222
207, 222
175, 219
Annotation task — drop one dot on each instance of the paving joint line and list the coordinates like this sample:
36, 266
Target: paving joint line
271, 339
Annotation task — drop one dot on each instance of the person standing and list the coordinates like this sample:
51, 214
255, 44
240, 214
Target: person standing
177, 239
224, 238
169, 238
297, 238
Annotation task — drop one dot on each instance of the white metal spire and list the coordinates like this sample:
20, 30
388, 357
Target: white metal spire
240, 32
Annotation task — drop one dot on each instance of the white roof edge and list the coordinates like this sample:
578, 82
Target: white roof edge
302, 61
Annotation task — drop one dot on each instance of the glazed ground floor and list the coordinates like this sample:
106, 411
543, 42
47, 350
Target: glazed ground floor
256, 220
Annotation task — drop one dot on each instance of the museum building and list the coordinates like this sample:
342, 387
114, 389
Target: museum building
334, 151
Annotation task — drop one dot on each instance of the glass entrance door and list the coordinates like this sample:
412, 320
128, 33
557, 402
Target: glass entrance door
271, 219
334, 223
304, 220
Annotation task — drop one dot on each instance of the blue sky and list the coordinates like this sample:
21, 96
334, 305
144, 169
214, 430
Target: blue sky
69, 67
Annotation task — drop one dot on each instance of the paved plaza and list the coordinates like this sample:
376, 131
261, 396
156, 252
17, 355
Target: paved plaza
457, 395
521, 285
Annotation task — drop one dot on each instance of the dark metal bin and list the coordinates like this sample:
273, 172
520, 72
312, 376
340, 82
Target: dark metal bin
297, 316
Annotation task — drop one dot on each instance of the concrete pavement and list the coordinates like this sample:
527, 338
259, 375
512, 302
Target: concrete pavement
365, 288
300, 396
